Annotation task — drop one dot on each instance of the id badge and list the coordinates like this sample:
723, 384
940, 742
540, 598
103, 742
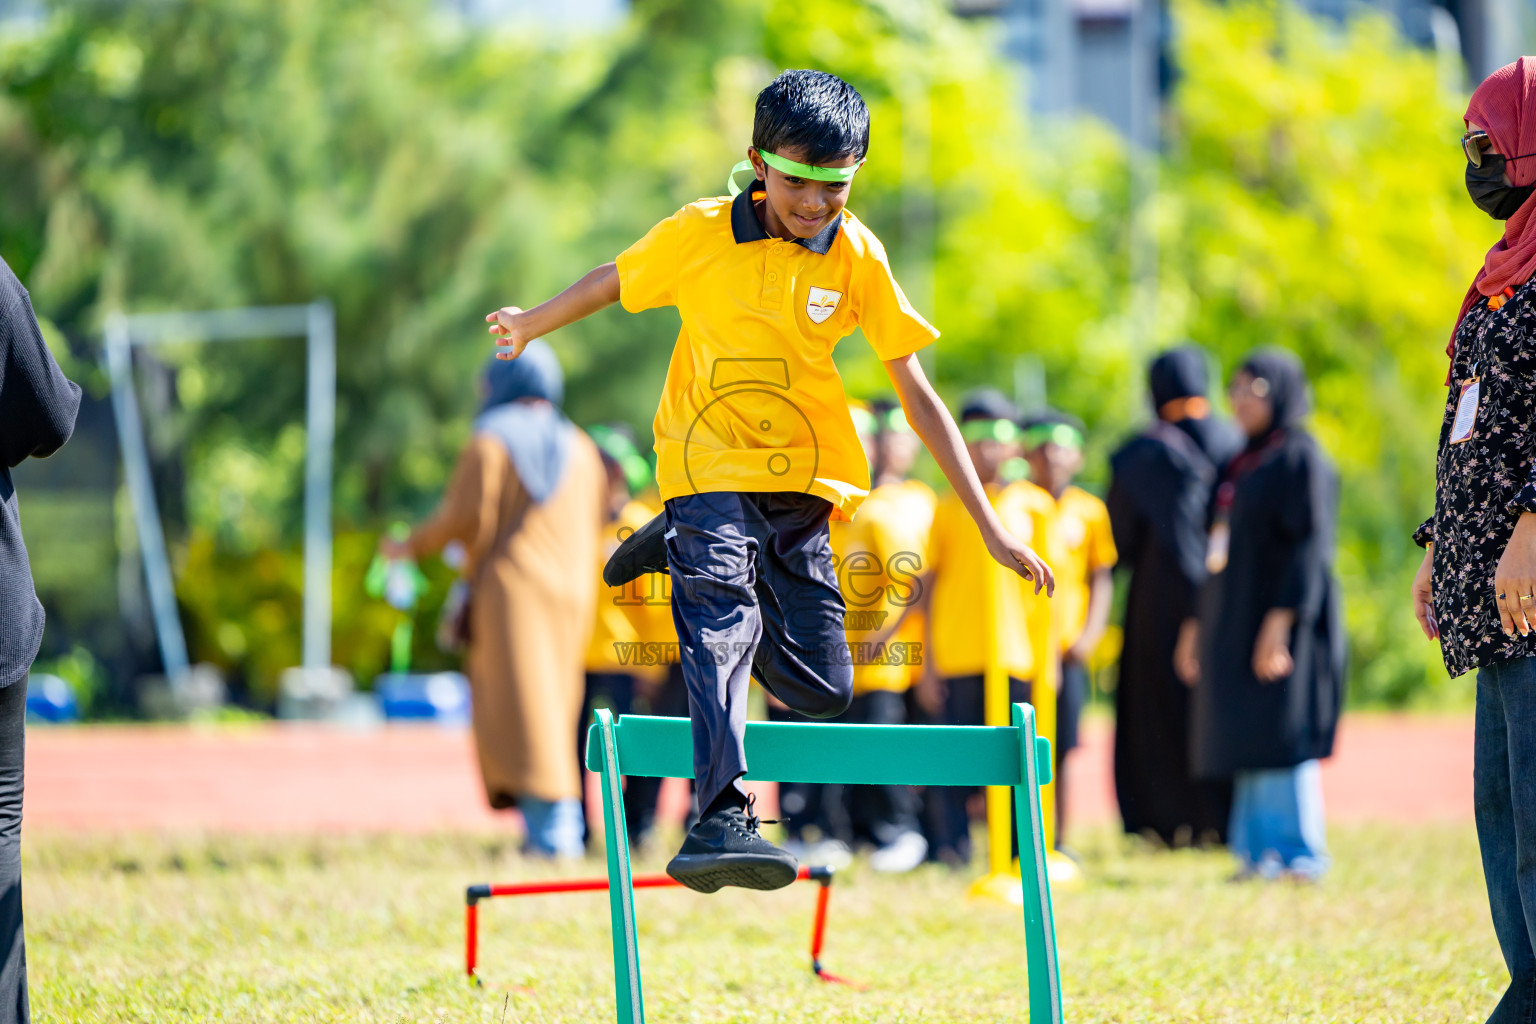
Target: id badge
1218, 546
1466, 410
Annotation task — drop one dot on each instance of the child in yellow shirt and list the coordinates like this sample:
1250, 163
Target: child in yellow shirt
879, 567
627, 658
755, 447
972, 611
1084, 559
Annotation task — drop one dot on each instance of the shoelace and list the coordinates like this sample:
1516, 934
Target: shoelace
753, 821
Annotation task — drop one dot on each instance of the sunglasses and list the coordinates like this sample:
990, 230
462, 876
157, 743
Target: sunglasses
1258, 387
1476, 145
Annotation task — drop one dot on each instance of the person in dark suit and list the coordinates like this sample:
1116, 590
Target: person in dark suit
37, 414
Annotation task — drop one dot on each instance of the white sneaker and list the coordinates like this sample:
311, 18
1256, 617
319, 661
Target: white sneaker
905, 854
833, 853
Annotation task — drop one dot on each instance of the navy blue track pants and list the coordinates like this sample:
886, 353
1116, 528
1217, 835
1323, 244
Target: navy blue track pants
754, 593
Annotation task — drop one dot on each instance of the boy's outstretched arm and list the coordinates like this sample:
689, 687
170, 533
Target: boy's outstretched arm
515, 328
932, 422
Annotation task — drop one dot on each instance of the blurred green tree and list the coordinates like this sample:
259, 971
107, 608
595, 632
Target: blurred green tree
1314, 199
419, 172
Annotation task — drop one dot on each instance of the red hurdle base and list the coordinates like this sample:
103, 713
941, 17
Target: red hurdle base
475, 893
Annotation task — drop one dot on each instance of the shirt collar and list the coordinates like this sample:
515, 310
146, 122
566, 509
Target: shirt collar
745, 226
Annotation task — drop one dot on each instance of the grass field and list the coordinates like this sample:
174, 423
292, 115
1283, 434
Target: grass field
331, 929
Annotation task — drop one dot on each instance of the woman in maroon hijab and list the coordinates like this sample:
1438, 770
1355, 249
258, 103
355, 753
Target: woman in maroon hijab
1476, 589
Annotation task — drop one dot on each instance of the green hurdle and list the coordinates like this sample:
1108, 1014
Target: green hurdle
913, 755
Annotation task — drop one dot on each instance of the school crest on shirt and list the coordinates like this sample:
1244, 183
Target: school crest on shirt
821, 304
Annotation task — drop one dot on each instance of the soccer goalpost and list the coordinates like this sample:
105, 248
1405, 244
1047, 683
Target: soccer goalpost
316, 323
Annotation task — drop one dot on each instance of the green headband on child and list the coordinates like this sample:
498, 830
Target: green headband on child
989, 430
635, 467
891, 421
789, 167
1063, 434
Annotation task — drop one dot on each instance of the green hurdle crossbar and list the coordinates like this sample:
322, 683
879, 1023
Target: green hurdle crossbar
909, 755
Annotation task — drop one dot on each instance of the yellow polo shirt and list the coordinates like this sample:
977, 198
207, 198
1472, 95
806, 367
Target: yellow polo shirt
879, 558
976, 601
752, 400
639, 613
1084, 544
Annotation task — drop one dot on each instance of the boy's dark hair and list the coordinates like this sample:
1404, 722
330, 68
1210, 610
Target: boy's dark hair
987, 404
881, 408
818, 114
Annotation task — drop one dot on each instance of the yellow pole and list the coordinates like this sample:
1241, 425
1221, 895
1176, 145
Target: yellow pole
1043, 640
995, 702
1001, 883
1043, 631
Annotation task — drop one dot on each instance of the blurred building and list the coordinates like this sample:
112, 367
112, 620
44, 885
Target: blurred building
20, 9
576, 15
1108, 58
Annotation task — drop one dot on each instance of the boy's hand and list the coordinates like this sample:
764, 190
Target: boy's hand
506, 326
1021, 558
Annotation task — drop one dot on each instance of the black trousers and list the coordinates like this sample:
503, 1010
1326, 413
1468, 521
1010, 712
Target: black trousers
949, 825
754, 593
13, 947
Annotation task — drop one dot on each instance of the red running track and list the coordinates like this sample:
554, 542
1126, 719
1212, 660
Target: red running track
284, 778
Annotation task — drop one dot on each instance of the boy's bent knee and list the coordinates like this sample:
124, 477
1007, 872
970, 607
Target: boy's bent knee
829, 700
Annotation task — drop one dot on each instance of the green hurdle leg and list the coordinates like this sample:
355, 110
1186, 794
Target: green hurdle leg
1039, 920
621, 894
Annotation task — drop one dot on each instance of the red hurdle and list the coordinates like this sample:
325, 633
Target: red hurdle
475, 893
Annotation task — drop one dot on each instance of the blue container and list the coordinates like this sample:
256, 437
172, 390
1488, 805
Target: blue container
50, 699
440, 697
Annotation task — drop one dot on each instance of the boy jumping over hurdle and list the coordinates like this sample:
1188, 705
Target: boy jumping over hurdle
755, 446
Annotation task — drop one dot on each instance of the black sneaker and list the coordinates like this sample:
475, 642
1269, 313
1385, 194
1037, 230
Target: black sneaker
641, 552
726, 848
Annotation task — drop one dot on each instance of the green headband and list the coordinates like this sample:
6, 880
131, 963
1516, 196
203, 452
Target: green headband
896, 421
1063, 434
989, 430
891, 421
635, 467
784, 166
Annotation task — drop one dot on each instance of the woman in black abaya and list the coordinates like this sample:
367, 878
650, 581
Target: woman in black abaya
1270, 640
1158, 501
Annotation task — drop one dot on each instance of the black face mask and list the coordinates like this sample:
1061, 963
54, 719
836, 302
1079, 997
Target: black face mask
1486, 186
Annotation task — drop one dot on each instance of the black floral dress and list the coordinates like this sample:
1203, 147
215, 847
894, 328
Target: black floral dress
1482, 484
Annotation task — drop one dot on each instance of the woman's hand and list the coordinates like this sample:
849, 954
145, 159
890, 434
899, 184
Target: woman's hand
1186, 652
1272, 650
1514, 581
511, 339
1424, 596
